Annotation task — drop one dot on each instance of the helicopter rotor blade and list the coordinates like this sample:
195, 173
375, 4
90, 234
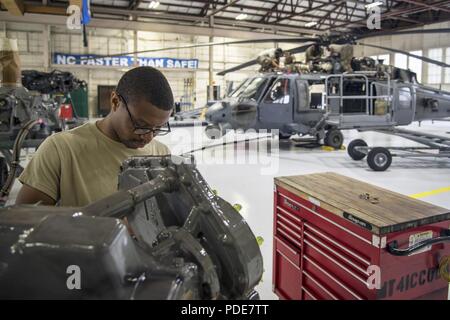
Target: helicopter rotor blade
254, 61
238, 67
286, 40
316, 39
425, 59
402, 33
210, 44
298, 49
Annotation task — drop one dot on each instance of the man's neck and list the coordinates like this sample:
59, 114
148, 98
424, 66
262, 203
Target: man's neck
106, 128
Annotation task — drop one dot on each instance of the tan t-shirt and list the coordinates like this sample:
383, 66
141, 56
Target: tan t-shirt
81, 165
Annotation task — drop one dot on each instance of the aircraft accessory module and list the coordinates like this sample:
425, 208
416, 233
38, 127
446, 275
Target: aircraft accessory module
186, 242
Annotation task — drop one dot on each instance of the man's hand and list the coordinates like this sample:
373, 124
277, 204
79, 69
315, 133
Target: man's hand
130, 230
30, 195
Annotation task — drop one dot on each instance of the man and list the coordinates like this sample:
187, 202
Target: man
342, 54
80, 166
314, 53
289, 63
269, 59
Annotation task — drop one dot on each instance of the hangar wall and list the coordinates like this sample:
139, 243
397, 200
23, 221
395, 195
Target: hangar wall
107, 41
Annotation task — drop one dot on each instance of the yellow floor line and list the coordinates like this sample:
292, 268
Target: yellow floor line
328, 148
430, 193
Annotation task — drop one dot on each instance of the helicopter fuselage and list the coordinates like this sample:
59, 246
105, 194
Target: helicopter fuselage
315, 103
267, 102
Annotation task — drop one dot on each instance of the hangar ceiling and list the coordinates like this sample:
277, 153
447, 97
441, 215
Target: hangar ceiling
282, 16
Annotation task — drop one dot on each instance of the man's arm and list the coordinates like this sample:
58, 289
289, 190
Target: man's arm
30, 195
41, 177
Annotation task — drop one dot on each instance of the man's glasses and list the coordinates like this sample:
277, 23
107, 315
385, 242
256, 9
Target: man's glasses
139, 130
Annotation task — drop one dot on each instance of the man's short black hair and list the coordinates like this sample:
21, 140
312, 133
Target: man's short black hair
146, 83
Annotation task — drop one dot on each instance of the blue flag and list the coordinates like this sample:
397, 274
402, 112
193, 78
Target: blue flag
86, 12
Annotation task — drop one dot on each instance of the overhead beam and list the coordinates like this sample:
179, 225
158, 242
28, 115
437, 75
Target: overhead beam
309, 10
269, 12
397, 14
197, 18
45, 10
296, 19
122, 13
428, 5
205, 8
277, 10
218, 21
134, 4
59, 20
222, 8
15, 7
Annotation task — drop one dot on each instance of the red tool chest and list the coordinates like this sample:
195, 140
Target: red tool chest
340, 238
66, 112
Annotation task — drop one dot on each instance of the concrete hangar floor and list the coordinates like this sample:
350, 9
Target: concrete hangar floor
243, 173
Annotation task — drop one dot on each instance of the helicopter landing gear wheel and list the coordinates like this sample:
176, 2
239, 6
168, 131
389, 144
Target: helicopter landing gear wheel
379, 159
353, 153
334, 138
3, 172
213, 131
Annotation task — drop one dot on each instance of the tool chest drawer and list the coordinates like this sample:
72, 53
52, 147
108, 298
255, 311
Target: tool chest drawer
339, 238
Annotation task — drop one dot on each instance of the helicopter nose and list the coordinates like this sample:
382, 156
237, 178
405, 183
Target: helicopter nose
211, 113
208, 115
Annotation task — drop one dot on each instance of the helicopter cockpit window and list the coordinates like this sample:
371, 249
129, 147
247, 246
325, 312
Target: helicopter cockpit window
252, 89
316, 96
302, 95
240, 88
279, 93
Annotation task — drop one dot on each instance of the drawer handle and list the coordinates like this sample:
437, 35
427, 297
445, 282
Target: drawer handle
392, 247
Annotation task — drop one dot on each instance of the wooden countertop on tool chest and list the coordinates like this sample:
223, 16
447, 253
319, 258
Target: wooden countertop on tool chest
386, 211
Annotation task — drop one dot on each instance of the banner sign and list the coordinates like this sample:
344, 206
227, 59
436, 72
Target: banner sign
122, 61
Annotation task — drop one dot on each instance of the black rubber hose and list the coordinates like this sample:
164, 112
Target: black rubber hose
4, 192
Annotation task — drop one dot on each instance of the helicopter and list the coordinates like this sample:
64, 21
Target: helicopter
325, 93
30, 102
320, 104
369, 97
322, 96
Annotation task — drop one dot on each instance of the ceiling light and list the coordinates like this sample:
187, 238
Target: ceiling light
242, 16
311, 24
153, 5
374, 4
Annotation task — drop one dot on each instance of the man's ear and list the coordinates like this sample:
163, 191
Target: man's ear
115, 101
